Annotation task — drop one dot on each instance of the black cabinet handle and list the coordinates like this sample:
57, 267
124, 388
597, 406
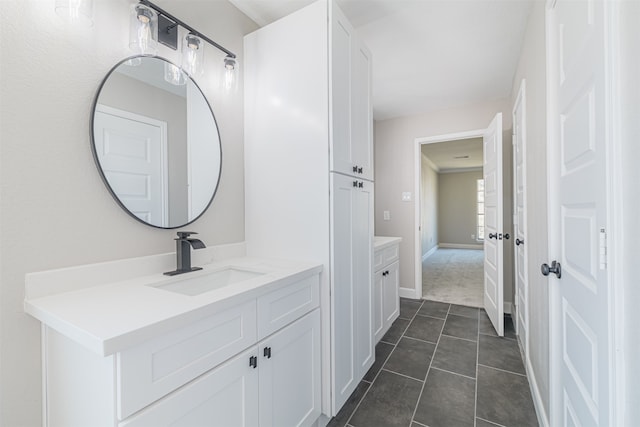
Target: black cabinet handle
267, 352
493, 235
506, 236
519, 242
361, 184
355, 169
253, 362
359, 170
355, 184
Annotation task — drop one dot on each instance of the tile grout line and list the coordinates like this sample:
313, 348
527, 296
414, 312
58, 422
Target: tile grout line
433, 356
402, 375
490, 422
503, 370
383, 363
453, 373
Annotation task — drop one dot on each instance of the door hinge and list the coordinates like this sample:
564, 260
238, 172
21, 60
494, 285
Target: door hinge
603, 249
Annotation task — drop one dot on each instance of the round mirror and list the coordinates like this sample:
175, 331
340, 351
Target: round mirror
156, 142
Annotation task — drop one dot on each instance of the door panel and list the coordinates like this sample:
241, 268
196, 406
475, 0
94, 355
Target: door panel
580, 370
493, 203
520, 216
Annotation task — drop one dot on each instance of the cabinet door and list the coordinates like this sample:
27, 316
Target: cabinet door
361, 110
343, 314
362, 229
226, 397
391, 300
378, 322
351, 297
341, 35
289, 369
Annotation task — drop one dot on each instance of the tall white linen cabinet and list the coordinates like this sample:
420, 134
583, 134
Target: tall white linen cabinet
309, 174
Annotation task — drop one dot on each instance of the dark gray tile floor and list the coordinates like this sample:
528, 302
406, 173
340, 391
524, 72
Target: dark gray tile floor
442, 365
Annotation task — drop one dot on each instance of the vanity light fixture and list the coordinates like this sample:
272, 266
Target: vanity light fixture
192, 55
143, 32
192, 44
230, 74
76, 11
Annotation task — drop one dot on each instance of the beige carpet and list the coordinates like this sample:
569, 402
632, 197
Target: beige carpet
454, 276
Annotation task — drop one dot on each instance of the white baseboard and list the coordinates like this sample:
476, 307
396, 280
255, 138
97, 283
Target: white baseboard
543, 419
459, 246
408, 293
429, 253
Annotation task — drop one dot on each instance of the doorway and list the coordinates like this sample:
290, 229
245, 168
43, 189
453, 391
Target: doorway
496, 188
452, 221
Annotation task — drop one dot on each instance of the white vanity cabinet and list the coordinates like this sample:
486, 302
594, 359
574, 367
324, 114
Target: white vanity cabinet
386, 282
254, 362
275, 383
309, 174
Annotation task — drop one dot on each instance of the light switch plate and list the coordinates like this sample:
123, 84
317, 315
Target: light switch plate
406, 196
387, 215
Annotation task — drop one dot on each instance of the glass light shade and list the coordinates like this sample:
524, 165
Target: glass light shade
76, 11
230, 79
174, 75
143, 30
192, 55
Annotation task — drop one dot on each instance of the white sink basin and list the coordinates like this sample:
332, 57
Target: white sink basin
209, 282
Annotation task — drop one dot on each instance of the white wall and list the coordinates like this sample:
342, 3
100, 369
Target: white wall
630, 136
531, 66
429, 208
394, 159
56, 211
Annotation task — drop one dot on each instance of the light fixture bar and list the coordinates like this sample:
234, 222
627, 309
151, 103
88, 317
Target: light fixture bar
175, 21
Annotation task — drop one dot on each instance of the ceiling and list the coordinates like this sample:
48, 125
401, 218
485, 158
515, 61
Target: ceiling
427, 54
455, 155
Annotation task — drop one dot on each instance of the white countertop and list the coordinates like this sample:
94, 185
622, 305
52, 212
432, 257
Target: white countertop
380, 242
107, 318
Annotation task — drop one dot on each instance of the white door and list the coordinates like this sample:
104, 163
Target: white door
577, 152
225, 397
289, 368
493, 237
132, 151
520, 217
362, 112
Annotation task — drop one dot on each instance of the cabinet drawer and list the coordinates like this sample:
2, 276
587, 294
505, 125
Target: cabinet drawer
391, 254
278, 309
159, 366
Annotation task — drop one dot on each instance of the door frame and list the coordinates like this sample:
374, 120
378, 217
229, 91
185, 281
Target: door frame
615, 233
418, 142
521, 99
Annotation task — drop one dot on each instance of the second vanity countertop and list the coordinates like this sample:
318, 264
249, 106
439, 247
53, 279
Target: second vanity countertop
380, 242
111, 317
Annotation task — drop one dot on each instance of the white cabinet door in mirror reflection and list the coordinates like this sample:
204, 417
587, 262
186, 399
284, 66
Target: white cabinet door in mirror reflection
132, 150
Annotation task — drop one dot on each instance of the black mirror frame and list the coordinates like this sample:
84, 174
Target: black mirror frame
97, 161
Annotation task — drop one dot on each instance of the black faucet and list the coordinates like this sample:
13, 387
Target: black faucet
183, 252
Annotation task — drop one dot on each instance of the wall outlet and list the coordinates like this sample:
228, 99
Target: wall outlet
386, 215
406, 196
